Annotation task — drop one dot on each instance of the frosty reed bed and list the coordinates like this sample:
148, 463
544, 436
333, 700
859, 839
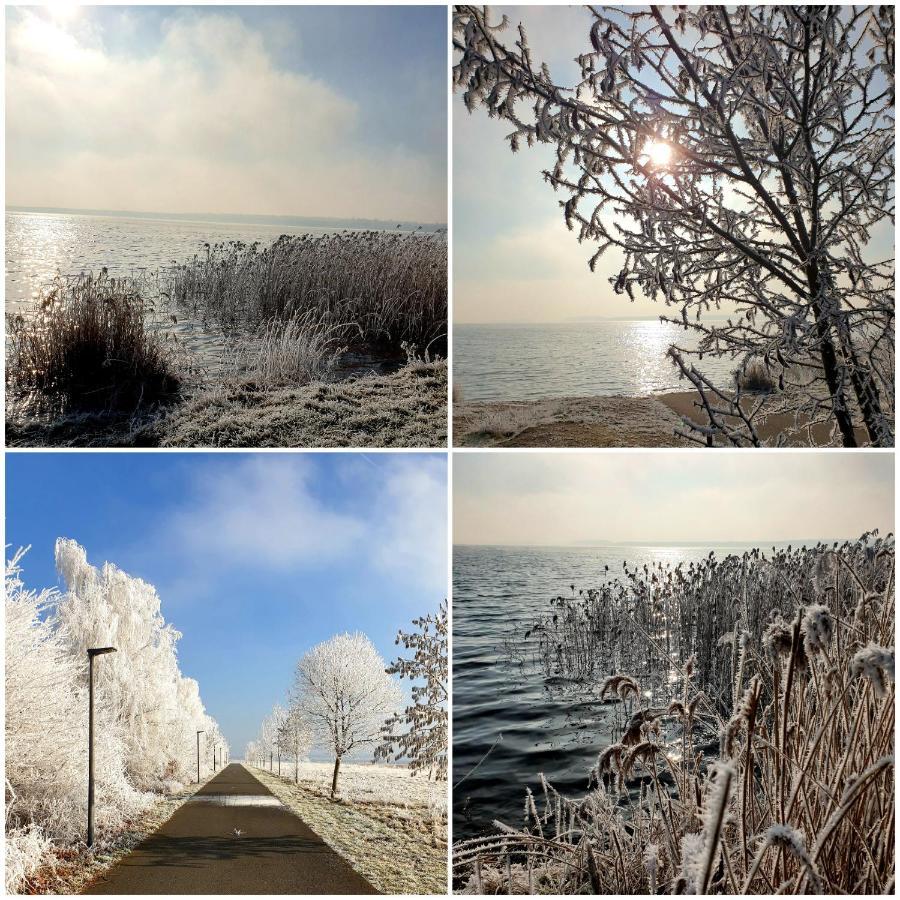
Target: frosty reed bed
649, 620
88, 347
799, 797
376, 289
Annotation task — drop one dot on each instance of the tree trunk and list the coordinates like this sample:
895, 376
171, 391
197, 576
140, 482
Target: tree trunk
864, 385
867, 395
334, 777
829, 362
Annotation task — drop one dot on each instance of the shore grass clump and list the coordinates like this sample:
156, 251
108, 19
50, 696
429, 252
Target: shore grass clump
288, 353
756, 378
87, 348
798, 795
376, 289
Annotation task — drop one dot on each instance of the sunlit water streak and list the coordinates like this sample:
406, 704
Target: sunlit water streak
578, 359
554, 728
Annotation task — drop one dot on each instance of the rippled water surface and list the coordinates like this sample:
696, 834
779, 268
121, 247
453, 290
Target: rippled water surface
581, 359
39, 245
503, 702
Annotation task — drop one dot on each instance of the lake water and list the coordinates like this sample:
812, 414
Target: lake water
576, 359
554, 729
40, 244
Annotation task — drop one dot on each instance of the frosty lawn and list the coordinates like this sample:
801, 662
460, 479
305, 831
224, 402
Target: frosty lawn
390, 825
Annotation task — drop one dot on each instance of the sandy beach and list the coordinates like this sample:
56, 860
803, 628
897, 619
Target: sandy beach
603, 422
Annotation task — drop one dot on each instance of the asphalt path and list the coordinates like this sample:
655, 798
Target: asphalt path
232, 837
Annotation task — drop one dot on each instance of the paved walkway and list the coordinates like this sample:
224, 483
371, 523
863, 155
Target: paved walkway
198, 851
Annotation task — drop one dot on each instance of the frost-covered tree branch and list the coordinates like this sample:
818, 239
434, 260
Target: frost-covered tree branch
419, 733
735, 159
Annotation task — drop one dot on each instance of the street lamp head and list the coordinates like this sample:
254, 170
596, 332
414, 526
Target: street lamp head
97, 651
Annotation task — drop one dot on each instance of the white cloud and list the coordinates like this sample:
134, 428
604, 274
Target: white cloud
263, 510
271, 511
205, 123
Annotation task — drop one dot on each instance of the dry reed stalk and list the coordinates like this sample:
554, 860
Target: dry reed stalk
804, 799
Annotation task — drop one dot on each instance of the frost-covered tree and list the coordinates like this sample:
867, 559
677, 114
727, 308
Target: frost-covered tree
146, 710
419, 733
343, 691
296, 737
267, 740
732, 158
46, 736
163, 710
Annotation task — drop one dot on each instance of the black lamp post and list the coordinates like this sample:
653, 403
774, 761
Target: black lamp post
92, 652
198, 755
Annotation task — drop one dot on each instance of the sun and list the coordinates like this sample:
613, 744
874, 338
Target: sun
64, 11
658, 153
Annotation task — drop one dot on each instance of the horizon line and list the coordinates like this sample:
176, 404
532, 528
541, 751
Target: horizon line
659, 543
284, 218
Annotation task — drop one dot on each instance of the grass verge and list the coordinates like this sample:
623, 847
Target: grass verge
404, 409
398, 849
69, 870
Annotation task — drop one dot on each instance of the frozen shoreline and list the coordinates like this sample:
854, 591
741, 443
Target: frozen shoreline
600, 421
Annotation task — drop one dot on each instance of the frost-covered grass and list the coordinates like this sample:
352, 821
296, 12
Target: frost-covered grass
69, 868
389, 824
288, 353
361, 784
372, 288
798, 796
404, 409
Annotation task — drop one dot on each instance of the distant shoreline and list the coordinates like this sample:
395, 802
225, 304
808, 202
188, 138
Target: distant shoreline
230, 218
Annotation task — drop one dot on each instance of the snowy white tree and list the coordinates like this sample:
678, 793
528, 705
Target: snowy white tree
733, 158
419, 733
343, 691
147, 712
163, 710
296, 737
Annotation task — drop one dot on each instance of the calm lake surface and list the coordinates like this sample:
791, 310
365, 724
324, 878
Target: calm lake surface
41, 244
576, 359
554, 729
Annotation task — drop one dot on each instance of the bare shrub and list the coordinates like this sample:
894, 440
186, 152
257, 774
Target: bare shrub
87, 348
756, 378
804, 764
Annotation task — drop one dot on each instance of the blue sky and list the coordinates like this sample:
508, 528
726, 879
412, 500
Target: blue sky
278, 110
256, 557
